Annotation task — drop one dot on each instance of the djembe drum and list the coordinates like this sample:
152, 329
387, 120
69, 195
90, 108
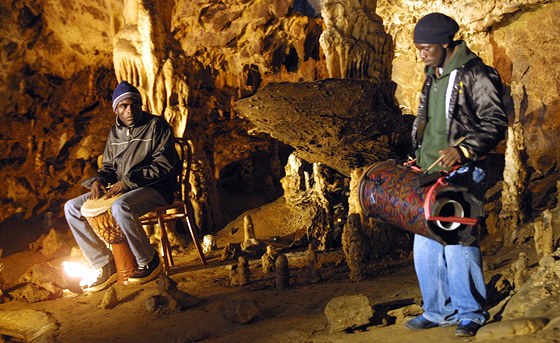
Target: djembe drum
98, 214
393, 194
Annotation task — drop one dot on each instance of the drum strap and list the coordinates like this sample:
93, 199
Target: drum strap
427, 210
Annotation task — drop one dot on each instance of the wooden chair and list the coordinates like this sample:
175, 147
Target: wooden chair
180, 209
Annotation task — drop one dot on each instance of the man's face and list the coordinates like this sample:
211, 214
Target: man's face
433, 55
129, 111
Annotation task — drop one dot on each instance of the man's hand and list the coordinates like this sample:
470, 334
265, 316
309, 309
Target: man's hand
116, 189
450, 156
97, 190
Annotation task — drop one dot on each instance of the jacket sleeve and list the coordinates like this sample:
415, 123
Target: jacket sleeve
486, 95
107, 174
162, 161
421, 117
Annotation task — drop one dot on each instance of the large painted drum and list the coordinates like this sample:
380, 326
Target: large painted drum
393, 194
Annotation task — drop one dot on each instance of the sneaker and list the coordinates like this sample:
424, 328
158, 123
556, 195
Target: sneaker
467, 328
420, 323
148, 272
107, 277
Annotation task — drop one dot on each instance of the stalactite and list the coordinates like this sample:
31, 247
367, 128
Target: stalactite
354, 40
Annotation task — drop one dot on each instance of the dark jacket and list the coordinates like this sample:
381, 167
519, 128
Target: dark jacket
143, 155
476, 109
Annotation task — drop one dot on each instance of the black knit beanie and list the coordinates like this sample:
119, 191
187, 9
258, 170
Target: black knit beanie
435, 28
125, 90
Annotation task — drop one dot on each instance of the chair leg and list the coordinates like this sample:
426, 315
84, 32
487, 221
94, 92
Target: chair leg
195, 241
167, 258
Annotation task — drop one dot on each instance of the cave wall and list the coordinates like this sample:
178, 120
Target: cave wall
193, 60
519, 38
56, 77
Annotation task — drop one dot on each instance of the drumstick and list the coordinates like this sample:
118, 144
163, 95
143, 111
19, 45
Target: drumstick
440, 158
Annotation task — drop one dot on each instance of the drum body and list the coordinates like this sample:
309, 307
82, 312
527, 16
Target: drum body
390, 193
98, 214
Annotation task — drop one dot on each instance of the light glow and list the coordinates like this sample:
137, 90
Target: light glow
85, 274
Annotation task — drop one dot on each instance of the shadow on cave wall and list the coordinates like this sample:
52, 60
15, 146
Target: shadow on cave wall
251, 182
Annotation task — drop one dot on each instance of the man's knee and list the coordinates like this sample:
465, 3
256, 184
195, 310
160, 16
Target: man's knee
71, 207
120, 208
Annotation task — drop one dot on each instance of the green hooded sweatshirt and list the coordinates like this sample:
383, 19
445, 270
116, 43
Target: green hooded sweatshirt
435, 134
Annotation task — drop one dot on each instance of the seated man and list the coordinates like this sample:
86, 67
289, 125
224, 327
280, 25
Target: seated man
140, 164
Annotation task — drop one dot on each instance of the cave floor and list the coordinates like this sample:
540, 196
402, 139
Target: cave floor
292, 315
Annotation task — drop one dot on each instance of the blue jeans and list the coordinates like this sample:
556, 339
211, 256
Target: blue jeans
451, 281
126, 210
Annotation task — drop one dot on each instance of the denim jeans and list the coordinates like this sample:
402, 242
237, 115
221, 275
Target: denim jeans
451, 281
126, 210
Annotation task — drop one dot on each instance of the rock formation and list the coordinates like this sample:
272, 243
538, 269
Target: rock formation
194, 60
341, 123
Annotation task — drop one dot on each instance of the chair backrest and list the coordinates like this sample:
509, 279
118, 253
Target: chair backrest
185, 156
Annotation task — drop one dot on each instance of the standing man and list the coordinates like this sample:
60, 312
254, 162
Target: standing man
140, 164
461, 99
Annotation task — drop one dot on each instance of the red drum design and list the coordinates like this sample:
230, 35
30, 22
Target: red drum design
390, 193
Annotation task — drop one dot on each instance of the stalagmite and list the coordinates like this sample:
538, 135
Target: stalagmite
249, 239
313, 263
282, 273
267, 259
231, 251
244, 274
544, 234
352, 244
240, 274
520, 271
208, 244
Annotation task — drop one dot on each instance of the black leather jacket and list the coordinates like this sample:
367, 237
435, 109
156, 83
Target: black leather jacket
143, 155
476, 109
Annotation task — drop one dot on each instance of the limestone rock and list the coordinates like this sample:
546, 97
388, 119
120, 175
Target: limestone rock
241, 311
230, 251
174, 298
348, 312
413, 310
1, 275
55, 245
553, 325
33, 293
42, 281
28, 325
354, 41
509, 328
542, 284
110, 299
341, 123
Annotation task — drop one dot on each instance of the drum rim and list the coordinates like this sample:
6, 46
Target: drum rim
94, 212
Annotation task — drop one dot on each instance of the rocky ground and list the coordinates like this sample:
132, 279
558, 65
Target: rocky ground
216, 311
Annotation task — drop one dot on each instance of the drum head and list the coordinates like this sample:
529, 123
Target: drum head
94, 207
